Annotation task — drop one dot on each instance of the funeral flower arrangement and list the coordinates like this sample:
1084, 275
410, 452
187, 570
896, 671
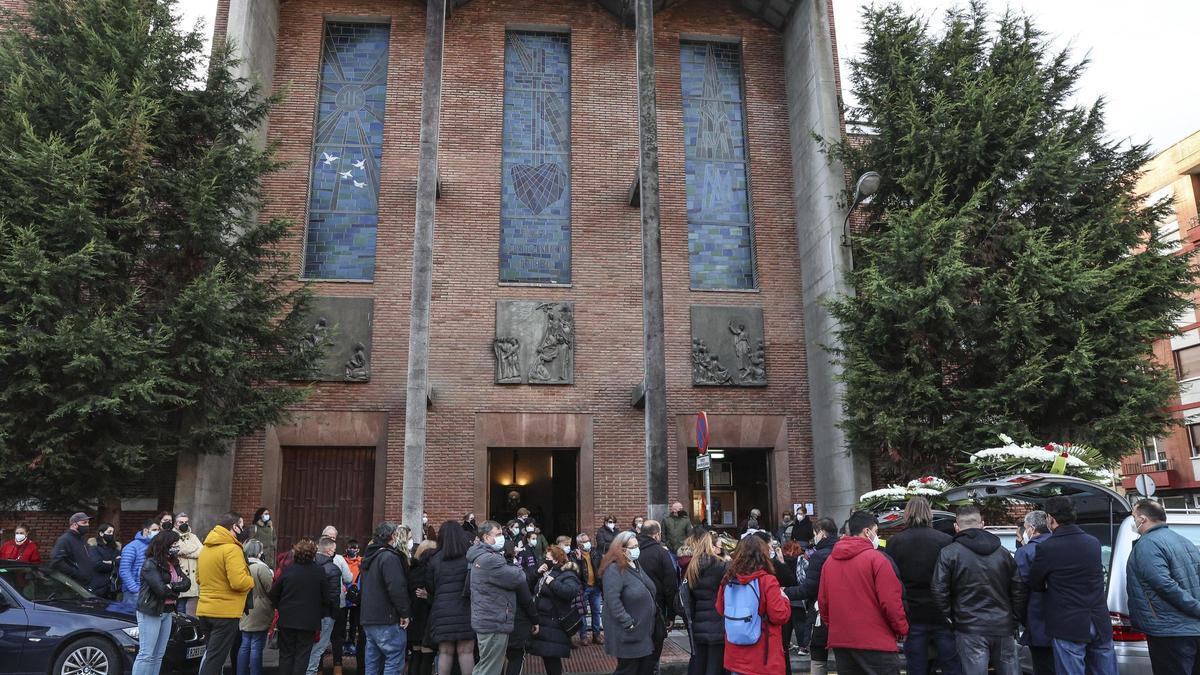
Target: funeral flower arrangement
1011, 458
895, 496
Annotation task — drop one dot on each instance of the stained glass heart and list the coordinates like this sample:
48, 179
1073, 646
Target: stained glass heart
540, 185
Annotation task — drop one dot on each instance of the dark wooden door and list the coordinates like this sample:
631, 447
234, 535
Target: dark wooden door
326, 486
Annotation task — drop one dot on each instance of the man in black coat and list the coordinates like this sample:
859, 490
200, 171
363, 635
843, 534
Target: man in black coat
976, 584
70, 553
656, 562
823, 540
385, 606
1067, 567
915, 552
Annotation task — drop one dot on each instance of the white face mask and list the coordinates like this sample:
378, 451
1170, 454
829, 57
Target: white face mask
566, 548
634, 553
266, 518
498, 545
611, 526
424, 520
20, 538
874, 540
516, 531
587, 545
529, 528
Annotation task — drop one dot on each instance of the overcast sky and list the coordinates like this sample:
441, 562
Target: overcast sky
1143, 55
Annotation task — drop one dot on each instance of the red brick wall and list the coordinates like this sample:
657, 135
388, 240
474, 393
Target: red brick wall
606, 246
46, 526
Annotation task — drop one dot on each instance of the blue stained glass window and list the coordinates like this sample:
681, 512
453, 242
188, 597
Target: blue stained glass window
343, 201
720, 236
535, 199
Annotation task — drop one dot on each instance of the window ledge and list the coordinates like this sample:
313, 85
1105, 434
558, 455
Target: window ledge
724, 290
312, 280
530, 284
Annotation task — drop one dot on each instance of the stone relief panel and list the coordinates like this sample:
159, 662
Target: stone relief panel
535, 342
728, 346
343, 327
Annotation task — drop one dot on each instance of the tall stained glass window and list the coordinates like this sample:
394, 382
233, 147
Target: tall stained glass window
720, 236
343, 203
535, 210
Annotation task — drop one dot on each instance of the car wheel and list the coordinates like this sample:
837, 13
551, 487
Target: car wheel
89, 656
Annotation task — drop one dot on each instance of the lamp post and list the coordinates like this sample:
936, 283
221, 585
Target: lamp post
867, 185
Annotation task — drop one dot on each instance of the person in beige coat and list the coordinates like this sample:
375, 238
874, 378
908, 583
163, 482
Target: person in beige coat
189, 553
257, 621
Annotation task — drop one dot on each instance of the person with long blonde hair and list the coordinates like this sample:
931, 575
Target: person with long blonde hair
698, 596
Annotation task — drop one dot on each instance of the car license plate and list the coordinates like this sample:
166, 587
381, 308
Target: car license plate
195, 652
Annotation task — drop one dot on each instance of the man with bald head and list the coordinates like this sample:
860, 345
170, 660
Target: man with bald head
676, 528
977, 585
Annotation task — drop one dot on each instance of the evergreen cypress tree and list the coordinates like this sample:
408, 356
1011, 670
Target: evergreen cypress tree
141, 314
1009, 279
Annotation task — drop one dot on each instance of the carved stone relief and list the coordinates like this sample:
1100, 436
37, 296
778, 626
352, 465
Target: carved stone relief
728, 347
535, 342
342, 327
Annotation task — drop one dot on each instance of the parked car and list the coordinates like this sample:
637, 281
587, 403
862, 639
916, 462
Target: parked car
1104, 514
51, 624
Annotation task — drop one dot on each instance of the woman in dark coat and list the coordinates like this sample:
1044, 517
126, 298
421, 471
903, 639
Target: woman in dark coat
450, 610
699, 598
420, 578
301, 595
630, 617
162, 582
556, 593
606, 534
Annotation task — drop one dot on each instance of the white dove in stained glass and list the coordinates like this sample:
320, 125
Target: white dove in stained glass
346, 174
329, 159
360, 164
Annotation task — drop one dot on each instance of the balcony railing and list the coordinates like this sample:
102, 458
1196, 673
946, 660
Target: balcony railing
1137, 468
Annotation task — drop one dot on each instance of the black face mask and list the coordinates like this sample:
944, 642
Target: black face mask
352, 553
166, 525
243, 535
185, 528
83, 529
109, 539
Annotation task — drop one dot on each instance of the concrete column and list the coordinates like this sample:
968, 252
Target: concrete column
813, 107
422, 268
652, 291
204, 482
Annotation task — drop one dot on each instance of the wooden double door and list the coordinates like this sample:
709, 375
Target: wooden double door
326, 486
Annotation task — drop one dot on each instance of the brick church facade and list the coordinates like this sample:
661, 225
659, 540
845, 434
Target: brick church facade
535, 351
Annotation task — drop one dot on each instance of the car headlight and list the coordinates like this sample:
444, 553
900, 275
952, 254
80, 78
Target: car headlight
132, 632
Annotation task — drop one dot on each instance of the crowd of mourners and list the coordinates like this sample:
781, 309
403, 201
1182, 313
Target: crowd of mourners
479, 598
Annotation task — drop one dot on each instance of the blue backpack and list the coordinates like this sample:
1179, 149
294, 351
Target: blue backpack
743, 623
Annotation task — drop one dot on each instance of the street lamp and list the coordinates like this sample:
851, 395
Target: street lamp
867, 185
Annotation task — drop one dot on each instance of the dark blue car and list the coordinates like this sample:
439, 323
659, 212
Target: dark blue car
51, 624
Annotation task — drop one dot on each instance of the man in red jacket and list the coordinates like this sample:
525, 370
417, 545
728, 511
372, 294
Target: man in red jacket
861, 601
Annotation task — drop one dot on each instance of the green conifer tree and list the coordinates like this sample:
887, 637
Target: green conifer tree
1008, 278
142, 313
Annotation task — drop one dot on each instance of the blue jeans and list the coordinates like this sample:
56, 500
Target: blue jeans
1086, 658
386, 645
153, 634
916, 649
314, 661
591, 603
249, 658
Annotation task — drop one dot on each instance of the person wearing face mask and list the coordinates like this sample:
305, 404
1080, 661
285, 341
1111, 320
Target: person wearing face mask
133, 556
977, 584
676, 528
558, 617
257, 621
225, 581
915, 551
1163, 575
824, 539
303, 595
860, 601
20, 547
331, 636
468, 523
189, 555
521, 555
166, 521
428, 531
606, 534
263, 530
70, 553
629, 608
105, 559
636, 525
493, 584
588, 561
656, 561
386, 608
1034, 530
535, 541
353, 598
161, 581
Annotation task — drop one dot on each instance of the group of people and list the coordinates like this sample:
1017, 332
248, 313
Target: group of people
969, 598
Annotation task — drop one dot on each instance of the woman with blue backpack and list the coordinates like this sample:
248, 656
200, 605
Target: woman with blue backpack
755, 610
